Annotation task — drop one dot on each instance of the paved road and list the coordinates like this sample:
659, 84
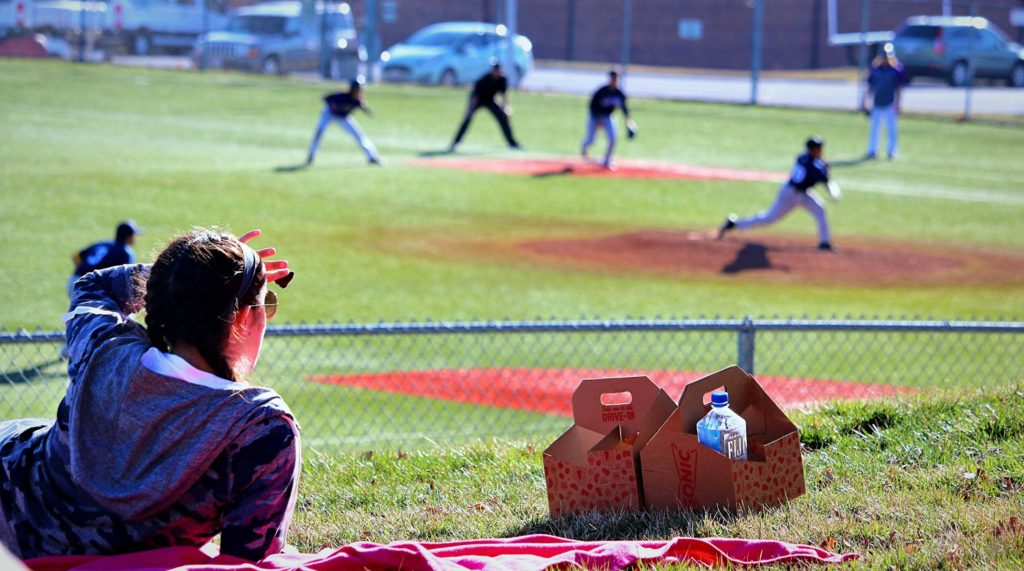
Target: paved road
818, 94
821, 94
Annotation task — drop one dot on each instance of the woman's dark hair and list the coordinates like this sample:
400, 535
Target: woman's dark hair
192, 294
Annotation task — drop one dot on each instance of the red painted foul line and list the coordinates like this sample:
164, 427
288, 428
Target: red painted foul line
635, 169
550, 391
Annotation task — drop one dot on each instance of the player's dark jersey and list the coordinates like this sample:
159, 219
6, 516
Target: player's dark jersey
606, 99
884, 81
807, 172
341, 104
488, 86
104, 255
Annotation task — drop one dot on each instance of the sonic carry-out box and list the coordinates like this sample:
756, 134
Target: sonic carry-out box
595, 465
679, 472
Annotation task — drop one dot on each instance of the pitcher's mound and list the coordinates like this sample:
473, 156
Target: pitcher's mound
779, 259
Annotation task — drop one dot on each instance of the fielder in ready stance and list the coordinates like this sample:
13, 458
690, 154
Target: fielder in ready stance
484, 92
809, 170
339, 107
602, 105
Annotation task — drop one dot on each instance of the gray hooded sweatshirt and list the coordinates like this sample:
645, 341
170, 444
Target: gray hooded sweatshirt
146, 450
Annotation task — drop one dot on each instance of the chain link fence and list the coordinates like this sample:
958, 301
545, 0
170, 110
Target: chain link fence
409, 385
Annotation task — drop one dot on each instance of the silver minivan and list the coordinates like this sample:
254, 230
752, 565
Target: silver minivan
284, 36
945, 47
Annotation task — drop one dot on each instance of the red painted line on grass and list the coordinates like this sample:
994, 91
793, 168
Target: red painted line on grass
634, 169
549, 391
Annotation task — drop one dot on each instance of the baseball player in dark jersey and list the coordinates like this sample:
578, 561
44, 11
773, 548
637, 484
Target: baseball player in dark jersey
339, 107
809, 170
884, 84
485, 90
602, 105
105, 254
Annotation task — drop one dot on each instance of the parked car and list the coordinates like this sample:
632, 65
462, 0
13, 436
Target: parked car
454, 53
138, 26
281, 37
934, 46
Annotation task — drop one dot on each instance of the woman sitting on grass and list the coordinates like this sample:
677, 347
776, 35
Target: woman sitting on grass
159, 440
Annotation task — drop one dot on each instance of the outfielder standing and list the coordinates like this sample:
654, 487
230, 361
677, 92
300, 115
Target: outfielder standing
339, 107
809, 170
602, 105
484, 92
884, 83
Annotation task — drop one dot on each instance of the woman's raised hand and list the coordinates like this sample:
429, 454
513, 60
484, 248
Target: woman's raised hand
277, 270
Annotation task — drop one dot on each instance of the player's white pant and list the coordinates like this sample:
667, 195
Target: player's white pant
788, 199
604, 122
887, 115
348, 124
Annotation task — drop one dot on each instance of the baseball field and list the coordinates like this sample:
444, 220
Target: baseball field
935, 233
489, 233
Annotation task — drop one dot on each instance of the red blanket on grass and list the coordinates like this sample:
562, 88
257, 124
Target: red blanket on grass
518, 553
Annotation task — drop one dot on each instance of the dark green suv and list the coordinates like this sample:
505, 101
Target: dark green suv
933, 46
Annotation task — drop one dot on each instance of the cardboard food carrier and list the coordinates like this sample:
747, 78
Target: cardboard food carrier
595, 465
679, 472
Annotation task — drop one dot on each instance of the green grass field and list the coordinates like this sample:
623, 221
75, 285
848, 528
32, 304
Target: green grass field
85, 146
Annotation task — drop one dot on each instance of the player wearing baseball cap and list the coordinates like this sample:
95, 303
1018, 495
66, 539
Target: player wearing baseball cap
884, 84
602, 105
106, 254
339, 107
809, 170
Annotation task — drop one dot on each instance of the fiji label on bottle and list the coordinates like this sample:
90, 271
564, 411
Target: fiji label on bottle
734, 445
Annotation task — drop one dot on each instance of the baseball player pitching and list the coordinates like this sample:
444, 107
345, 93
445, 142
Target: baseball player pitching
809, 170
339, 107
602, 105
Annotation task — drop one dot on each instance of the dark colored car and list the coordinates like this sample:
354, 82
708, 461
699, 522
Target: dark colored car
933, 46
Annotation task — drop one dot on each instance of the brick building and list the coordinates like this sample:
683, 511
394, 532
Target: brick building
681, 33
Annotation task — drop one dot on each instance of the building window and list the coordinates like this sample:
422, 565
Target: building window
389, 11
691, 29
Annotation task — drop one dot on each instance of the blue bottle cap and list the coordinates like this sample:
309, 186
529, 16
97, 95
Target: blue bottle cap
719, 398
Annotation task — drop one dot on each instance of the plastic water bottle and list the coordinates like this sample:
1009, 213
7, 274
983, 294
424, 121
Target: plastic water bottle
722, 429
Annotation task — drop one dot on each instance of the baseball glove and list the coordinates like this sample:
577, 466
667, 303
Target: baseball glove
631, 129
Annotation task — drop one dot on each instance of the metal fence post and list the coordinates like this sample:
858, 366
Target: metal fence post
971, 68
756, 42
511, 25
745, 346
372, 41
627, 37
